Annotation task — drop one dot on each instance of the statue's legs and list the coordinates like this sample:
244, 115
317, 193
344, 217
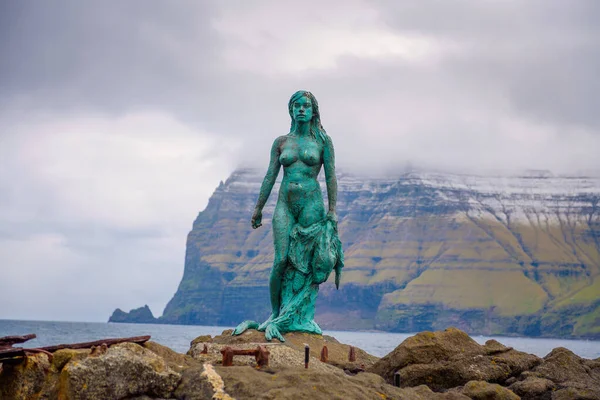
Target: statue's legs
282, 226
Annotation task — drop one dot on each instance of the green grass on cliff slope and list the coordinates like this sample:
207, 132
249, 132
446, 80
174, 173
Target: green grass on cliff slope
586, 295
560, 286
509, 292
588, 324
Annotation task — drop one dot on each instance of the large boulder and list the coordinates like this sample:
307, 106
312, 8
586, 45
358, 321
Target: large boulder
561, 375
124, 370
534, 388
563, 367
23, 381
38, 376
426, 348
446, 359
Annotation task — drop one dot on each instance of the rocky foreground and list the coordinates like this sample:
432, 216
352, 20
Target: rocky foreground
430, 365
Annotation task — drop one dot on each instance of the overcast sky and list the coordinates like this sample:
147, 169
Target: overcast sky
118, 119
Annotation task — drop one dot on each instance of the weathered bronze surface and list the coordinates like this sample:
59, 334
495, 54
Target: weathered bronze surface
307, 247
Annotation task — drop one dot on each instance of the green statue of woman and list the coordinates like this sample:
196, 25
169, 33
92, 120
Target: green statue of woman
307, 247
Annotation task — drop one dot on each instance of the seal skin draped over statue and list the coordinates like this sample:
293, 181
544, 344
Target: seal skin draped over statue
305, 236
314, 252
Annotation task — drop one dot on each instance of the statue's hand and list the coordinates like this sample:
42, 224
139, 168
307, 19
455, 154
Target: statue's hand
338, 277
256, 219
332, 216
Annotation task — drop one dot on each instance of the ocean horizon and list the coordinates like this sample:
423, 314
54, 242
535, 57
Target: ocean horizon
178, 337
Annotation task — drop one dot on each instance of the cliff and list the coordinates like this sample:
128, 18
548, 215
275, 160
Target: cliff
489, 255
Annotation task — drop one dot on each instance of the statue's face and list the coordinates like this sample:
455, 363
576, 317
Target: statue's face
302, 109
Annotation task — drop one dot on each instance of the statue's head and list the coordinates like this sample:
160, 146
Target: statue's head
303, 107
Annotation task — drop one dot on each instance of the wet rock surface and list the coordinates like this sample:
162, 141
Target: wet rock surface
431, 365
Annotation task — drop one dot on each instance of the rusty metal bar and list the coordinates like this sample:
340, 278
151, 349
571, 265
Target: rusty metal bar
87, 345
261, 355
227, 356
8, 341
324, 354
352, 354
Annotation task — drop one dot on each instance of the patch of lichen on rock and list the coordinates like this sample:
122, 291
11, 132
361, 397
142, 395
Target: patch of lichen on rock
125, 370
61, 357
24, 380
481, 390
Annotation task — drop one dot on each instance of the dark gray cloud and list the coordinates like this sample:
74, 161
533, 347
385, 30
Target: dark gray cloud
544, 55
109, 57
539, 56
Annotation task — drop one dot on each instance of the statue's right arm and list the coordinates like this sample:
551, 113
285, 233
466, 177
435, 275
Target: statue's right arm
271, 176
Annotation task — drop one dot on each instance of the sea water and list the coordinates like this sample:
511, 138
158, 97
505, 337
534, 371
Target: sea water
178, 337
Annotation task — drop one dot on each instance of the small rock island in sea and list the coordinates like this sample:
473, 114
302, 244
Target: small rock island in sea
141, 315
430, 365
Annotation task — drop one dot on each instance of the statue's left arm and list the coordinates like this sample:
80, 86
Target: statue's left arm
330, 179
